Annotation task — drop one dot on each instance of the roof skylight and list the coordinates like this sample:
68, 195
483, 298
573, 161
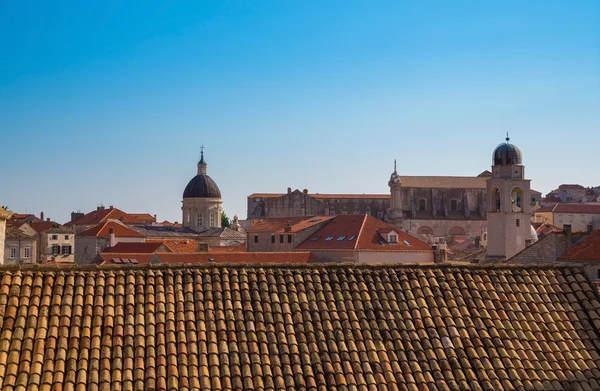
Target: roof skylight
351, 238
406, 242
327, 239
315, 238
341, 238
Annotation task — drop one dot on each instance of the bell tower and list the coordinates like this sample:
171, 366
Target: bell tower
395, 216
509, 206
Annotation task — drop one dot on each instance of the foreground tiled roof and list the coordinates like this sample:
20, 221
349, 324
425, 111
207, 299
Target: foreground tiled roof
298, 328
587, 249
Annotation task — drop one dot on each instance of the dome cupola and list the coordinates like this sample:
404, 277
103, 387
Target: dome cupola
507, 154
202, 186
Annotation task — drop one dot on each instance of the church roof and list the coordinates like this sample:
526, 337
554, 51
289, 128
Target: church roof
445, 182
298, 327
202, 186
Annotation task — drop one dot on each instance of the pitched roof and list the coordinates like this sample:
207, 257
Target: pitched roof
139, 247
587, 249
286, 328
43, 226
138, 218
320, 196
98, 216
103, 230
360, 232
279, 224
571, 208
13, 233
177, 245
153, 231
445, 182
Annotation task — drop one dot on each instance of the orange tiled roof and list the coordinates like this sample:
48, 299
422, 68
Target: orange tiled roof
103, 230
570, 208
360, 232
587, 249
178, 245
134, 247
43, 226
299, 328
138, 218
98, 216
228, 249
278, 224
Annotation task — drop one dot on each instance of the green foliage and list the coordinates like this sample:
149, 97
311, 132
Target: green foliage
225, 222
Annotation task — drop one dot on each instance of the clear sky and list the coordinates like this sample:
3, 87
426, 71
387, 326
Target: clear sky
108, 102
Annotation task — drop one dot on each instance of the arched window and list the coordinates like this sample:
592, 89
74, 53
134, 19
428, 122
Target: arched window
516, 199
457, 231
422, 204
425, 231
495, 200
453, 205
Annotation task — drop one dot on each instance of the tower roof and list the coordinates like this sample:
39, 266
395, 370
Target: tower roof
507, 154
202, 186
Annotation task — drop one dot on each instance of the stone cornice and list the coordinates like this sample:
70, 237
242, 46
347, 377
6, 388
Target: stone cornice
5, 214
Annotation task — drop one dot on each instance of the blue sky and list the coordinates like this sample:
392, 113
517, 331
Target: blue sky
109, 102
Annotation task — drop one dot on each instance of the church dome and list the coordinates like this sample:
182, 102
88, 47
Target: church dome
202, 186
506, 154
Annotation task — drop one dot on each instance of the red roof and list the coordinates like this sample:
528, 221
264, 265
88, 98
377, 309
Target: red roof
139, 247
103, 230
241, 248
178, 245
43, 226
587, 249
138, 218
570, 208
361, 232
257, 258
97, 216
278, 224
572, 187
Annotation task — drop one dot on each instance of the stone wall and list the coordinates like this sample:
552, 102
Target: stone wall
547, 249
471, 228
87, 247
4, 215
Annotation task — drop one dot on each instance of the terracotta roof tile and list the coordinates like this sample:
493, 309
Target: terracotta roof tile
360, 232
98, 216
103, 230
570, 208
135, 247
177, 245
587, 249
279, 224
289, 328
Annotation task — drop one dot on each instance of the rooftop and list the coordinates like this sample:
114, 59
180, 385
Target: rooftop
298, 327
587, 249
103, 230
279, 224
570, 208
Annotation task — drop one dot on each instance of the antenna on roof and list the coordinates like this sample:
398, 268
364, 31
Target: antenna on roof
507, 138
394, 165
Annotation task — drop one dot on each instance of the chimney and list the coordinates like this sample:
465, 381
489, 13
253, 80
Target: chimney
288, 226
154, 217
48, 219
568, 234
111, 237
111, 207
42, 215
289, 190
305, 191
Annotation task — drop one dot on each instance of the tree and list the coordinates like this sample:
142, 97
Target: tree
225, 222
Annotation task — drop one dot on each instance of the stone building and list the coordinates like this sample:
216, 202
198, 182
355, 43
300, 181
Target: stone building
300, 203
509, 207
202, 202
19, 248
4, 216
91, 242
279, 234
580, 216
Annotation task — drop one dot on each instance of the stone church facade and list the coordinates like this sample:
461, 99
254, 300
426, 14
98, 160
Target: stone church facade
426, 205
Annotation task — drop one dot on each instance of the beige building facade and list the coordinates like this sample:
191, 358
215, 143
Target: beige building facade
581, 217
19, 248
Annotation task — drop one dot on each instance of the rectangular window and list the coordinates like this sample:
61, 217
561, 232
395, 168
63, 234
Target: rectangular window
255, 238
27, 252
54, 237
393, 239
380, 215
356, 201
212, 219
272, 238
13, 253
280, 238
66, 250
518, 223
199, 220
598, 273
85, 250
66, 237
289, 238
